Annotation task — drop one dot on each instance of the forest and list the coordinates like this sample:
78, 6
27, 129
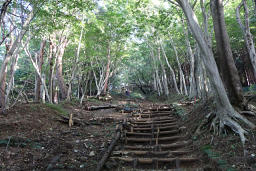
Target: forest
91, 84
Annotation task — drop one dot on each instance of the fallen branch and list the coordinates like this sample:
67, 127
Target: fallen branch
111, 147
100, 107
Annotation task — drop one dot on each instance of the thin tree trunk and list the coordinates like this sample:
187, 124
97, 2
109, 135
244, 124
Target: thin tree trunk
85, 88
15, 45
166, 90
74, 68
37, 71
61, 81
171, 70
248, 38
182, 78
107, 70
192, 90
40, 59
225, 61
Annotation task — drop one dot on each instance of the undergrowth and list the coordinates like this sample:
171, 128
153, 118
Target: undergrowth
58, 108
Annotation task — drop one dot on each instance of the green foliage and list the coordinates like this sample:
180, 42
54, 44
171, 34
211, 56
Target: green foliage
58, 108
207, 149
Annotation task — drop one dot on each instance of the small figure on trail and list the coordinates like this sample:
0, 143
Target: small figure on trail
127, 93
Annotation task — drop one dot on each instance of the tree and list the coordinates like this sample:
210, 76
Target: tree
225, 111
248, 38
224, 58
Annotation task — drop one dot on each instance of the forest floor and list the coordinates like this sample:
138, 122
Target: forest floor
38, 137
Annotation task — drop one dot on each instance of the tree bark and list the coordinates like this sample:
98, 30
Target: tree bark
192, 90
74, 68
225, 110
40, 60
225, 61
107, 70
171, 70
182, 78
61, 81
248, 38
166, 90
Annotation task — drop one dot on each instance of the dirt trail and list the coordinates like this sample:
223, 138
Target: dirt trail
152, 139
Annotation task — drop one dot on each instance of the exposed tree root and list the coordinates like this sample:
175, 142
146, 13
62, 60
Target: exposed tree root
223, 119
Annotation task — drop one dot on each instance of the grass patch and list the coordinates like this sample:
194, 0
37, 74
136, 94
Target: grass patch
58, 108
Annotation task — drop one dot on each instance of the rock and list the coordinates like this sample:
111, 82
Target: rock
83, 159
92, 153
75, 150
77, 141
92, 136
102, 145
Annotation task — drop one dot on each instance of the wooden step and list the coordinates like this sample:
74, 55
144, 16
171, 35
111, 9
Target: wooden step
173, 138
153, 119
176, 145
154, 122
152, 125
150, 134
152, 115
152, 153
173, 127
152, 160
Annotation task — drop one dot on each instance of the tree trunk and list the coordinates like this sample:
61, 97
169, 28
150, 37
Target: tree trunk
107, 71
225, 110
171, 70
15, 45
192, 90
61, 81
3, 12
225, 61
182, 78
248, 38
40, 60
74, 68
166, 90
205, 23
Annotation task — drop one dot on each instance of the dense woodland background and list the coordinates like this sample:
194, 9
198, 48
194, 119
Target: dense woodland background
51, 51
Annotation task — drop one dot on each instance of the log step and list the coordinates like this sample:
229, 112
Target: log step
152, 115
153, 122
162, 146
154, 153
173, 138
153, 119
154, 125
150, 134
159, 109
153, 160
173, 127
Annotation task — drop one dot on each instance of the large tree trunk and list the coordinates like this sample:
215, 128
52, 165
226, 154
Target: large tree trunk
61, 81
107, 70
40, 60
225, 61
248, 38
225, 111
